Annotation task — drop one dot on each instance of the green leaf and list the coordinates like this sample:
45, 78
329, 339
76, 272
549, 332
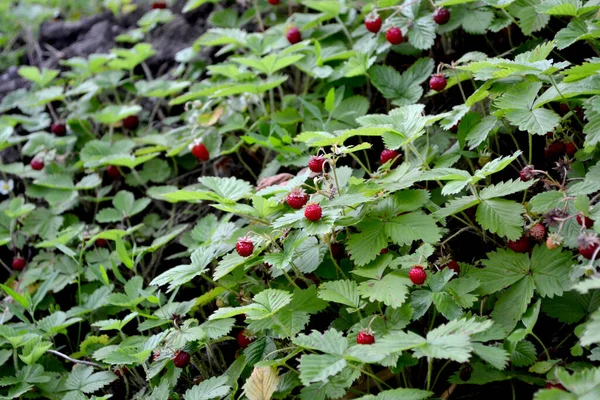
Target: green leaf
330, 342
112, 114
122, 252
19, 298
410, 227
399, 394
83, 379
522, 353
319, 367
502, 217
215, 387
341, 291
513, 303
391, 290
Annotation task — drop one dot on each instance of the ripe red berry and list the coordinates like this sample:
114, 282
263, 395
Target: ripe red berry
552, 385
526, 174
59, 129
155, 355
274, 2
365, 338
243, 340
441, 15
387, 155
554, 150
584, 221
394, 35
244, 247
200, 152
453, 265
37, 164
181, 359
159, 5
417, 275
563, 109
113, 172
373, 23
520, 245
18, 263
383, 251
454, 128
293, 35
338, 251
313, 212
315, 163
131, 122
101, 243
537, 231
570, 149
588, 251
438, 82
296, 199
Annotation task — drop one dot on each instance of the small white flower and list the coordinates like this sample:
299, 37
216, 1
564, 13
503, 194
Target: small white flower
195, 142
6, 187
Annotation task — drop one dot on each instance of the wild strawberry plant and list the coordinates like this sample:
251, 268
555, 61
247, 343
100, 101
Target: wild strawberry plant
347, 200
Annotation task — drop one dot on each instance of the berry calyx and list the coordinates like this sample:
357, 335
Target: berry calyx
102, 243
588, 250
520, 245
159, 5
570, 149
274, 2
313, 212
365, 337
584, 221
181, 359
113, 172
417, 275
131, 122
537, 231
296, 199
441, 15
437, 82
554, 150
553, 241
37, 164
244, 247
315, 163
373, 22
453, 265
58, 128
18, 263
387, 155
200, 152
293, 35
394, 35
244, 340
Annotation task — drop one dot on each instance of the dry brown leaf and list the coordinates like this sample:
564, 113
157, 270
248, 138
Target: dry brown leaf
262, 383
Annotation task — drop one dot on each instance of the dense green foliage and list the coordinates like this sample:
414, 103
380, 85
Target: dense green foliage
170, 241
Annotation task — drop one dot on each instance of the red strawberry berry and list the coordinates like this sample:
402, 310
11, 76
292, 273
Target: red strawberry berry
387, 155
58, 128
113, 172
394, 35
437, 82
243, 340
37, 164
293, 35
588, 251
159, 5
181, 359
364, 337
526, 173
296, 199
454, 128
441, 15
131, 122
554, 150
585, 221
553, 241
313, 212
453, 265
383, 251
102, 243
537, 232
200, 152
373, 22
18, 263
563, 109
519, 246
417, 275
274, 2
570, 149
554, 385
244, 247
315, 164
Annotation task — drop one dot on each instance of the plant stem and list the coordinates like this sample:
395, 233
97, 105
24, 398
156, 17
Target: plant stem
429, 370
542, 344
